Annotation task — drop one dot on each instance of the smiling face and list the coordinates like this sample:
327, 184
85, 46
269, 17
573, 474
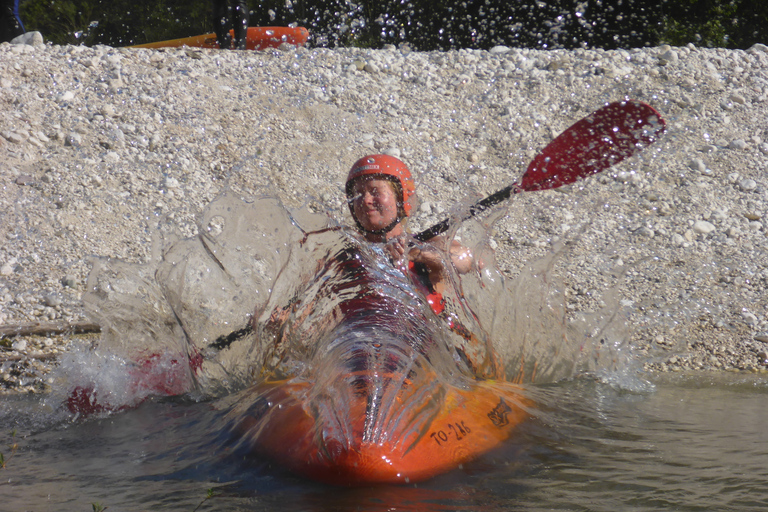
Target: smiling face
374, 205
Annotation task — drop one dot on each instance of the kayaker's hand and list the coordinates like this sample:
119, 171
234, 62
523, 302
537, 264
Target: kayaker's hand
402, 249
396, 248
461, 257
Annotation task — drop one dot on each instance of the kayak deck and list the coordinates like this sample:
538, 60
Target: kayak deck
453, 427
364, 384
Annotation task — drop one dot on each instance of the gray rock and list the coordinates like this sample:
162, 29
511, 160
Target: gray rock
29, 38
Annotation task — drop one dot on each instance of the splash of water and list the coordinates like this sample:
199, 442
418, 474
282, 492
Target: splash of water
253, 258
166, 312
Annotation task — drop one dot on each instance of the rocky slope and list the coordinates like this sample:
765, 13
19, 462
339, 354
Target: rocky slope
97, 143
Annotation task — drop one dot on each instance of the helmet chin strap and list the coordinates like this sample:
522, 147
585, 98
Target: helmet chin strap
382, 231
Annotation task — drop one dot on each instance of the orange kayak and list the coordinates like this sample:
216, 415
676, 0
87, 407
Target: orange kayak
415, 442
364, 383
258, 38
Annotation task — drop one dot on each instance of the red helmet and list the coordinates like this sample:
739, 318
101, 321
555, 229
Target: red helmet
384, 167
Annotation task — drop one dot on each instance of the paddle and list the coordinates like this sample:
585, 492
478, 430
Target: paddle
600, 140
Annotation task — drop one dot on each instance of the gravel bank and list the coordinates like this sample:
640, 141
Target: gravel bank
98, 142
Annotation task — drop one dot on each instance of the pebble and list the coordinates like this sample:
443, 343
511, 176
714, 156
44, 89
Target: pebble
749, 318
747, 185
737, 98
69, 281
24, 179
65, 96
737, 144
33, 38
52, 300
697, 164
14, 137
703, 227
669, 56
497, 50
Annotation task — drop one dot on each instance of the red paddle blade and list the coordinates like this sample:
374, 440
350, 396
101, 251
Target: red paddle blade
600, 140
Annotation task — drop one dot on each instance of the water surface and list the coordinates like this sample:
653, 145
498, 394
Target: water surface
690, 444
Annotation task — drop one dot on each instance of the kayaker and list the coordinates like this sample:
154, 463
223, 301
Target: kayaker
381, 195
230, 14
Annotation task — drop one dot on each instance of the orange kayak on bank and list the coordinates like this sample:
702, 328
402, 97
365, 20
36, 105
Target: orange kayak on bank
258, 38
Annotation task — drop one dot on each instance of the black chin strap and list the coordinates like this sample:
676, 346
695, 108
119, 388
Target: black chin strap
382, 231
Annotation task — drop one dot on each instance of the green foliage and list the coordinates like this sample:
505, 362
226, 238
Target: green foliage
715, 23
422, 24
62, 22
97, 507
209, 494
116, 22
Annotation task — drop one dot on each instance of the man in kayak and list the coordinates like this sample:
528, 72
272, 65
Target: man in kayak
356, 381
380, 192
230, 14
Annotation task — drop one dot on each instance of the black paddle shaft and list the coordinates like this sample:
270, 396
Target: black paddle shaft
477, 208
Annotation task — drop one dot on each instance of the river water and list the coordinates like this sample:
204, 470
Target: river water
695, 443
